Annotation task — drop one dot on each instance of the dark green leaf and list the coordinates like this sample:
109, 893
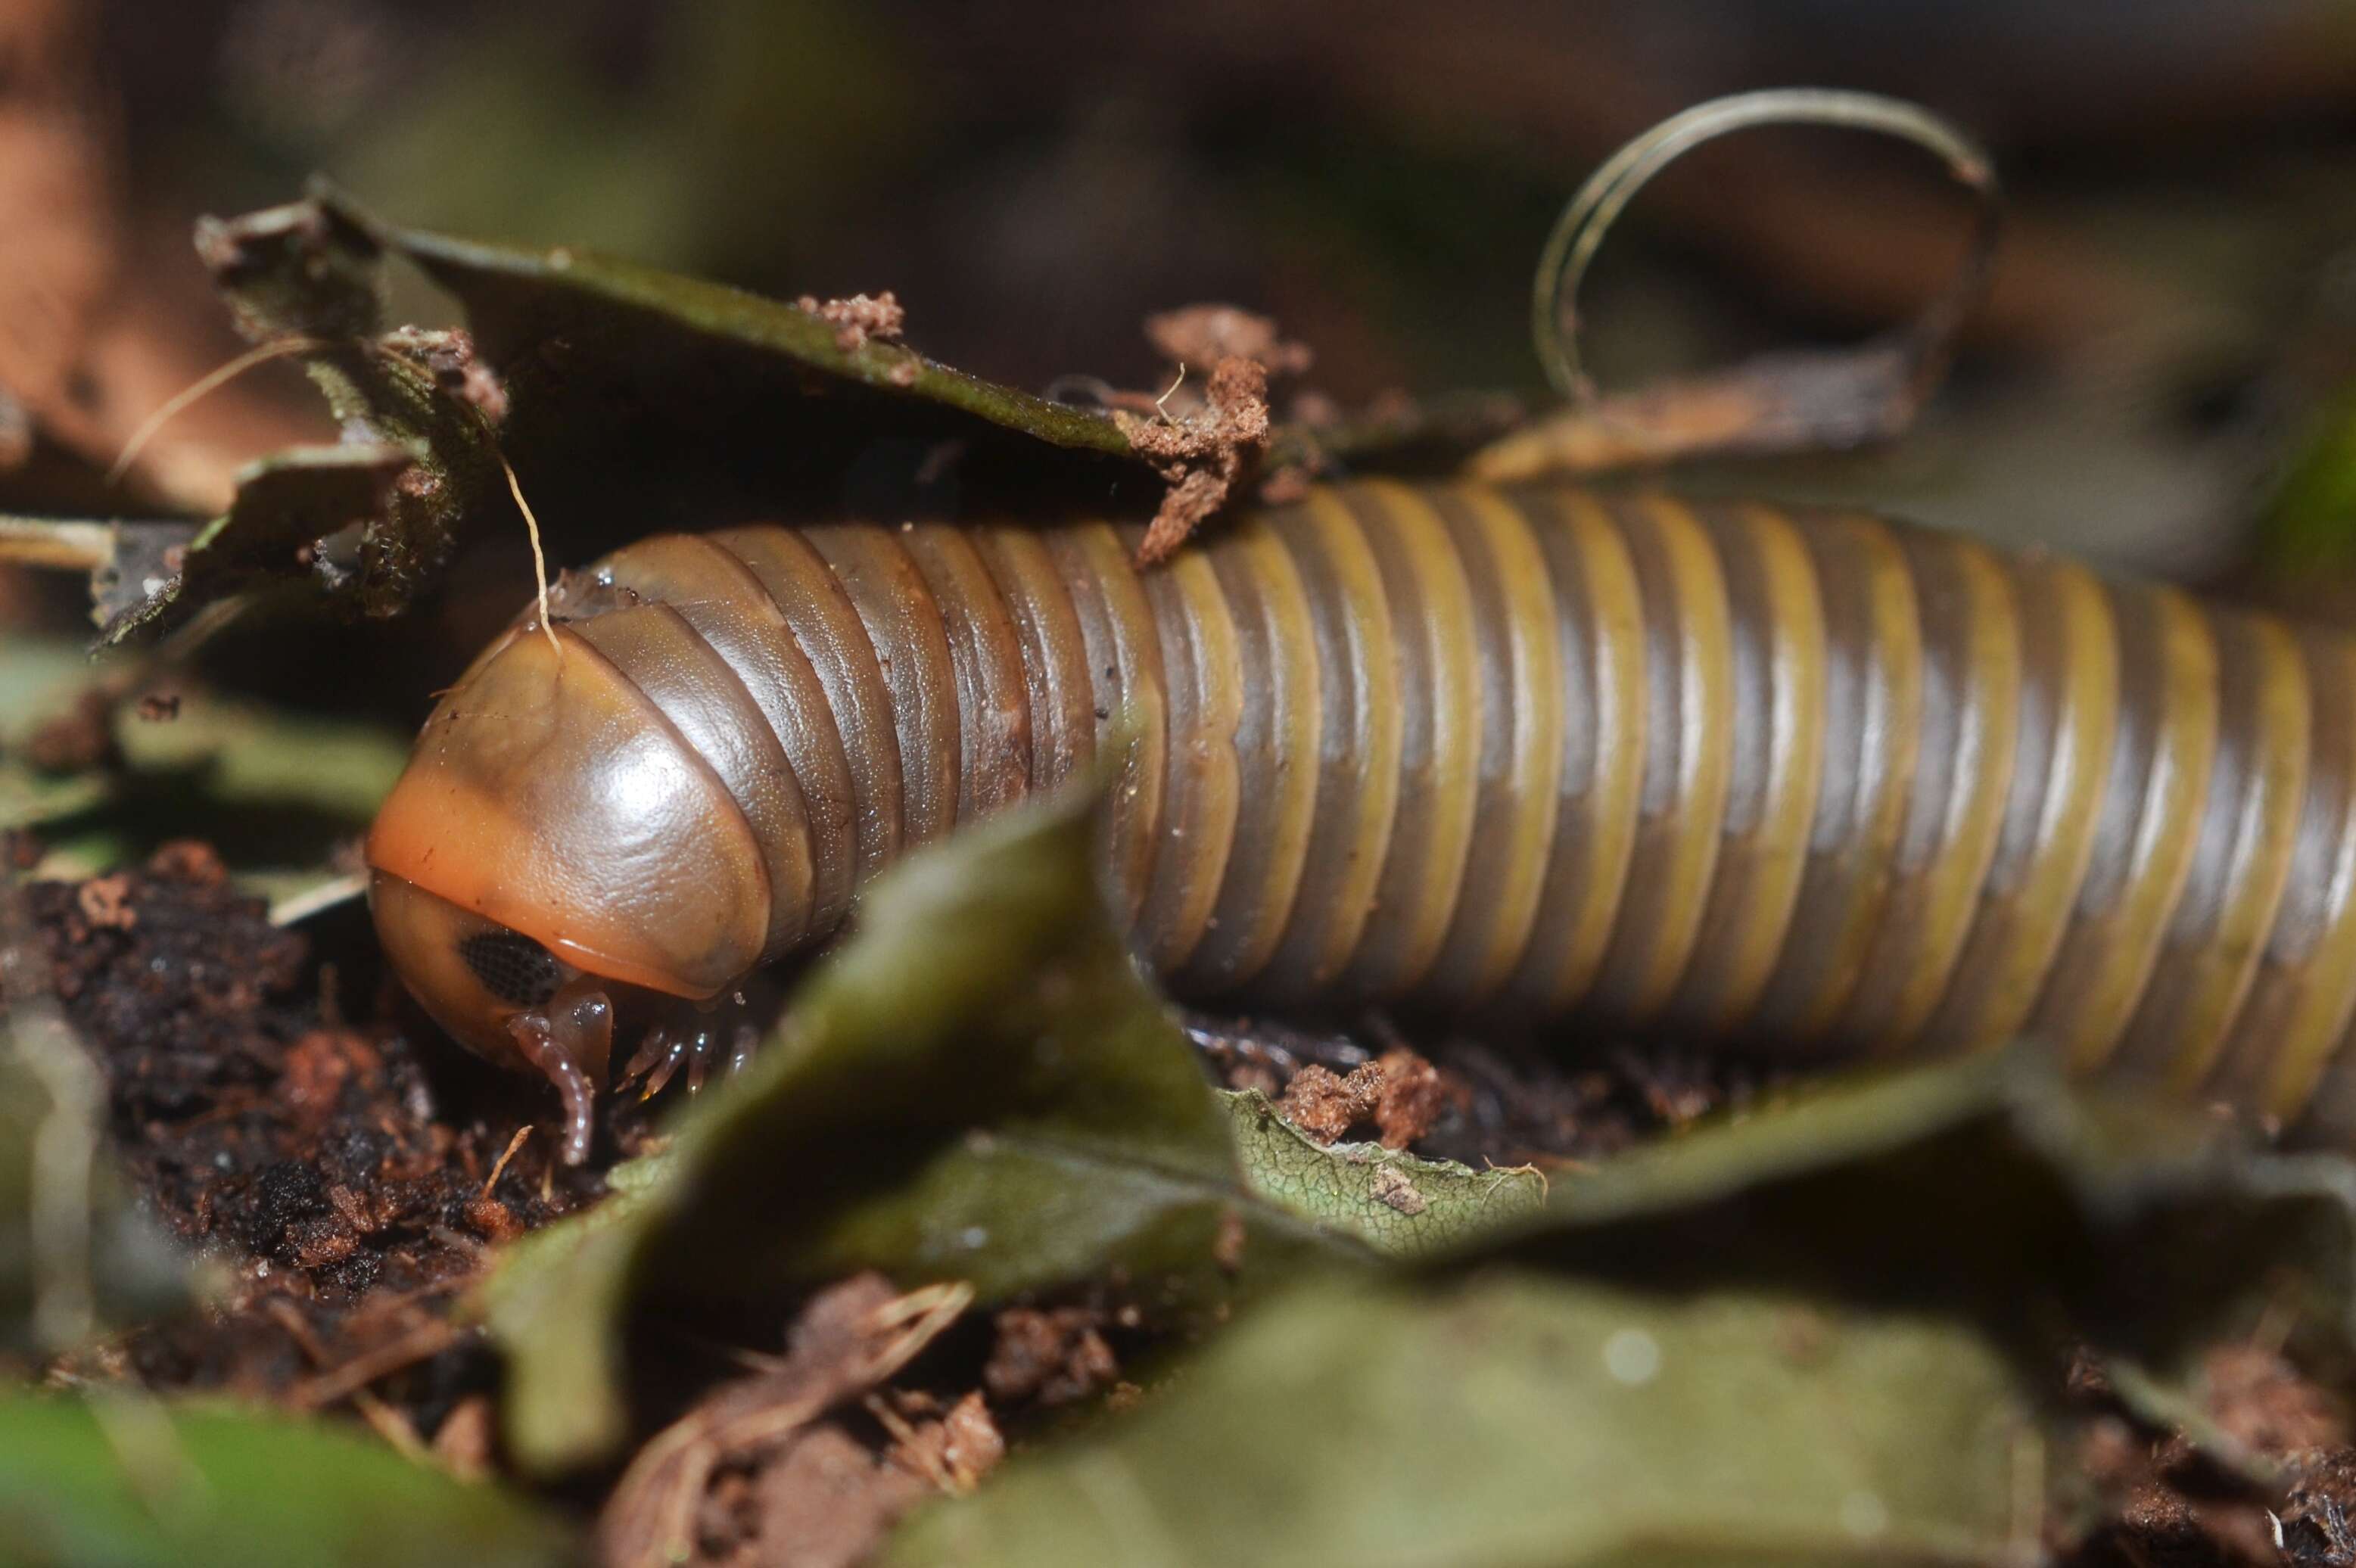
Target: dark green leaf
1829, 1332
978, 1088
758, 406
588, 365
1990, 1188
129, 1484
1521, 1420
520, 300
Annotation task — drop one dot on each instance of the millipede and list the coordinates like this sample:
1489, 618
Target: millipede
1742, 771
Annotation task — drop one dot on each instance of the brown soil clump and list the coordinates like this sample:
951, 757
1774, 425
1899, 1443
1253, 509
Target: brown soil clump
1400, 1095
1051, 1357
1202, 454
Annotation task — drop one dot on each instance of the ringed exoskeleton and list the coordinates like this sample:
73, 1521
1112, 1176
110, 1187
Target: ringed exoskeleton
1808, 778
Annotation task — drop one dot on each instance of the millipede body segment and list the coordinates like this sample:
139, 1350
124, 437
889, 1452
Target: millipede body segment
1737, 770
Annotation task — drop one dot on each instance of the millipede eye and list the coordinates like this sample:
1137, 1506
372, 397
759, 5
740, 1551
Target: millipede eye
512, 967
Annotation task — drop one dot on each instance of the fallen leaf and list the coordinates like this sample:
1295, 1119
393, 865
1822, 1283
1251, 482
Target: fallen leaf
129, 1482
1521, 1419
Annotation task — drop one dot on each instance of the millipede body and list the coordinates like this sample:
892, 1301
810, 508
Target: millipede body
1732, 769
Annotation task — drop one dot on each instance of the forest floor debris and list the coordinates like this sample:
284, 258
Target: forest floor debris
356, 1182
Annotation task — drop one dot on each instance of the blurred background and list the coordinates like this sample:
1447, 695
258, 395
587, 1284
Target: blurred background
2160, 379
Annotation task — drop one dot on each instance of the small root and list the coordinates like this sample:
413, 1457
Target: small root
212, 381
539, 560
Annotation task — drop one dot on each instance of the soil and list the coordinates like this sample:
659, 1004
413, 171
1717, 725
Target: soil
311, 1156
2165, 1505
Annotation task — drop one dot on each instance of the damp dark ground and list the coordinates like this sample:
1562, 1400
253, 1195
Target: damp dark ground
292, 1120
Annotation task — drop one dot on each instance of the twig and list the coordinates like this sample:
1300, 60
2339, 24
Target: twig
426, 1340
398, 1431
1789, 402
312, 900
63, 545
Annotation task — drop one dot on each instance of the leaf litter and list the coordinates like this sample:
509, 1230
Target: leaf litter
1421, 1351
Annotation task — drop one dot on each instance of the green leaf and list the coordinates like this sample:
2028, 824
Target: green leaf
127, 1483
613, 314
1397, 1204
38, 678
1825, 1332
1519, 1420
77, 1253
2308, 524
978, 1087
587, 363
1992, 1188
759, 405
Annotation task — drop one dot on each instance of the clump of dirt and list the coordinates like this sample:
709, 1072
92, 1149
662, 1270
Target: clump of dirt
2318, 1515
859, 318
1201, 453
822, 1490
1399, 1094
449, 355
2163, 1502
2259, 1399
952, 1446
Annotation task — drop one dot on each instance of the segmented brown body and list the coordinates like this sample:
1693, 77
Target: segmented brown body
1733, 768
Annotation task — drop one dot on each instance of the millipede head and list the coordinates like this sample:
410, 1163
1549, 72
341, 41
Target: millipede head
551, 851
